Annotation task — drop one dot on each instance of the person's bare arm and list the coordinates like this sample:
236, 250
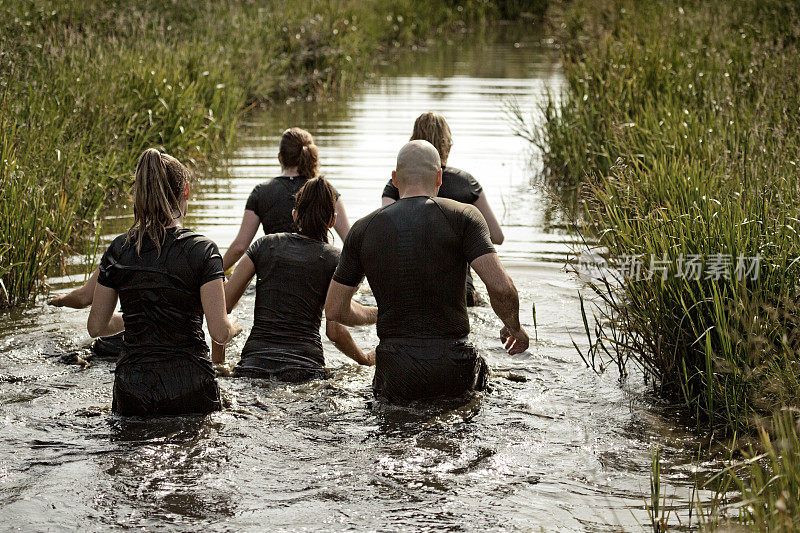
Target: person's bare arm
103, 320
341, 338
80, 298
238, 282
495, 231
387, 201
341, 225
504, 299
221, 329
340, 307
248, 229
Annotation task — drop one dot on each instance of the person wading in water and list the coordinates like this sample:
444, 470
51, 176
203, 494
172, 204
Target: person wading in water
166, 278
456, 184
293, 273
270, 204
414, 254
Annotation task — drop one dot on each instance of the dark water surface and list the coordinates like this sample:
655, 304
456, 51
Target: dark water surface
555, 448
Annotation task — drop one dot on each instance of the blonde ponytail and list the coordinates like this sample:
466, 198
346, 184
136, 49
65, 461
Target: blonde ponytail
157, 190
432, 127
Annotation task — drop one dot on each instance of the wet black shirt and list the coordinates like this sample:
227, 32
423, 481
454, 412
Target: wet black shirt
456, 185
414, 253
160, 294
293, 277
273, 202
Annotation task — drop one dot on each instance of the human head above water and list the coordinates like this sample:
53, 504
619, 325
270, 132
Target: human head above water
297, 149
432, 127
315, 209
418, 167
160, 195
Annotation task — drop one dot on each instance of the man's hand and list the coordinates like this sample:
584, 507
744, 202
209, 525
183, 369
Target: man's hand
514, 341
369, 358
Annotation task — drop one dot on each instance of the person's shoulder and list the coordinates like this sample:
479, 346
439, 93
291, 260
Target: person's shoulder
450, 204
119, 241
331, 253
192, 239
118, 245
365, 221
453, 171
456, 209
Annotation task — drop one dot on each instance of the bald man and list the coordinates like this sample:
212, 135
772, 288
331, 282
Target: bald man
414, 254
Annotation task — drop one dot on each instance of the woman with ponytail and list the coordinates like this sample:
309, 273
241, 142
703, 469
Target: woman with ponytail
270, 204
166, 278
293, 273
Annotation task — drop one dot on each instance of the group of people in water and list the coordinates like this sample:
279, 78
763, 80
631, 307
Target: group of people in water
415, 252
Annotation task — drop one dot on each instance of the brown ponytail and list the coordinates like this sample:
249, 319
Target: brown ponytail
315, 207
432, 127
157, 190
297, 149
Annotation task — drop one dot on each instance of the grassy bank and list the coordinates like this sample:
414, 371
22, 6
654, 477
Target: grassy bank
88, 85
680, 125
680, 129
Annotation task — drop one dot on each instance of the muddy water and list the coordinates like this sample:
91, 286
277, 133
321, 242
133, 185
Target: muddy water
555, 448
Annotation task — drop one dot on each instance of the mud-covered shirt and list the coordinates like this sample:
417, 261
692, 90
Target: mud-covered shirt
456, 185
293, 274
273, 202
414, 254
160, 293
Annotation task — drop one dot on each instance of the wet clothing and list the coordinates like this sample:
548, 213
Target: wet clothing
456, 185
293, 274
165, 367
462, 187
419, 369
273, 202
162, 386
414, 254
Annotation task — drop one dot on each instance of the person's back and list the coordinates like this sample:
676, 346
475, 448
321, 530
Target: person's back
418, 280
457, 184
415, 253
293, 274
294, 271
273, 201
159, 293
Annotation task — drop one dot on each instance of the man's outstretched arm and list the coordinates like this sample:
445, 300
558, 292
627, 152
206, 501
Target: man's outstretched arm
504, 299
340, 307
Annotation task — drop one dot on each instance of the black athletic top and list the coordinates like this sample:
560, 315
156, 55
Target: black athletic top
160, 294
414, 254
293, 277
456, 185
273, 202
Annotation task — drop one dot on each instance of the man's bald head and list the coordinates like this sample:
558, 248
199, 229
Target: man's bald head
418, 165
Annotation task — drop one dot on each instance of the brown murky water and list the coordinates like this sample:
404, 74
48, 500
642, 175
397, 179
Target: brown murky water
563, 449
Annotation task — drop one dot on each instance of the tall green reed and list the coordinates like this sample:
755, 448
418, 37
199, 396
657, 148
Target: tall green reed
679, 128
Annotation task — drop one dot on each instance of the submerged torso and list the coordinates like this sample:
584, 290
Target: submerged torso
293, 274
159, 293
414, 254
